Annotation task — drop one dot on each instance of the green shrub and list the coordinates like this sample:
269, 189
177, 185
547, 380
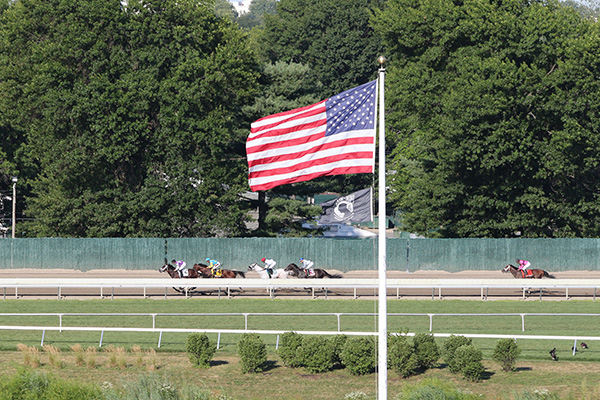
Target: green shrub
468, 361
506, 353
401, 356
434, 389
290, 341
316, 354
30, 385
359, 355
449, 348
200, 350
426, 350
253, 353
338, 342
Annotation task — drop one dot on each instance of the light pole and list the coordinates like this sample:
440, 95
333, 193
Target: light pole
14, 199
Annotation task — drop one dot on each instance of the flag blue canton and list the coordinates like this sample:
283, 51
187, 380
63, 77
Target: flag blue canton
351, 110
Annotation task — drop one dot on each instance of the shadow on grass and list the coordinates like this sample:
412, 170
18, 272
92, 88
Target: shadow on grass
270, 365
484, 377
487, 375
519, 369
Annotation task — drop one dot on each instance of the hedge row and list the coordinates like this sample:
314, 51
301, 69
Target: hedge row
359, 355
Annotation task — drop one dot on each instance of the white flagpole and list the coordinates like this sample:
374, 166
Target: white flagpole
382, 356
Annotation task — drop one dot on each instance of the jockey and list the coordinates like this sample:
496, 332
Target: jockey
179, 267
523, 265
269, 265
215, 266
307, 265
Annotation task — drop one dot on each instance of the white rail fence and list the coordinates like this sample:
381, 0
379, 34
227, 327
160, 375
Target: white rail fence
338, 316
219, 332
271, 286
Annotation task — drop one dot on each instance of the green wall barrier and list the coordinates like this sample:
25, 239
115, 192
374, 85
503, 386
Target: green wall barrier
403, 254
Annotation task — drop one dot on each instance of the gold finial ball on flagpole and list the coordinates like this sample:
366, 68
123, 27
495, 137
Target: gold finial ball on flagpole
382, 60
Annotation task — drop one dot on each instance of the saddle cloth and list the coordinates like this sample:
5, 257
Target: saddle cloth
526, 273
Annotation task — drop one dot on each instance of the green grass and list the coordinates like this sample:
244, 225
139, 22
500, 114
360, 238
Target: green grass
572, 381
572, 377
532, 349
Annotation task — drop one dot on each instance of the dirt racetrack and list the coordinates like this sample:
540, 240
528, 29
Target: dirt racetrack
417, 293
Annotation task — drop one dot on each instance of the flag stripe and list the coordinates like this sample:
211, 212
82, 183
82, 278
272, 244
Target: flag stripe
332, 137
285, 140
299, 149
266, 184
287, 118
285, 168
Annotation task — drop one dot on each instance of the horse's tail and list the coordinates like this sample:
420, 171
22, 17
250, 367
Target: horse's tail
548, 275
239, 273
332, 276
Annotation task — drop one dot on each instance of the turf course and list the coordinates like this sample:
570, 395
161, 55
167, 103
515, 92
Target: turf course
584, 325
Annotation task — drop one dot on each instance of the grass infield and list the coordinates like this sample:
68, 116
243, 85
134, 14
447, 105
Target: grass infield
573, 377
583, 325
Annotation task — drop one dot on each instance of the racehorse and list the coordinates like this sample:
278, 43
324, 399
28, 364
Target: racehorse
527, 274
207, 272
295, 271
203, 270
264, 274
186, 273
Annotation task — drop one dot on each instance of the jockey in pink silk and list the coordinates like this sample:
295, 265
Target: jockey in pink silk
523, 265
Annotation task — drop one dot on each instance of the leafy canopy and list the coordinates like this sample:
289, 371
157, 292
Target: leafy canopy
493, 116
130, 114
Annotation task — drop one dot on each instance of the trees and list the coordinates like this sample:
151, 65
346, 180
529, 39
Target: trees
257, 10
587, 9
492, 110
332, 37
224, 8
131, 116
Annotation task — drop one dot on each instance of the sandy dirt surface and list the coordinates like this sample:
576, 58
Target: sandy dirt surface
422, 293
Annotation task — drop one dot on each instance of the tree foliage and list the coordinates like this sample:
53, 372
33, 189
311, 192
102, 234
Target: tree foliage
128, 119
223, 8
332, 37
131, 116
255, 15
285, 217
493, 122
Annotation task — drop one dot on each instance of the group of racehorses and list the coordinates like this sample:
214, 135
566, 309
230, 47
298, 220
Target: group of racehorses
204, 271
293, 271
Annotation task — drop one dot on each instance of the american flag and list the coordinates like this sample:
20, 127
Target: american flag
332, 137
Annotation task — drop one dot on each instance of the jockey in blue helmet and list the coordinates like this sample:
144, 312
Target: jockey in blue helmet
214, 265
307, 265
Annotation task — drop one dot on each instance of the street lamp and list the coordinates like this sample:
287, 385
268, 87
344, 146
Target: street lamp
14, 199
